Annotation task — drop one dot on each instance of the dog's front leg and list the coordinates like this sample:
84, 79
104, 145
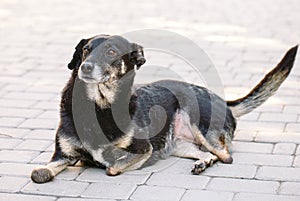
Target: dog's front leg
118, 160
127, 161
45, 173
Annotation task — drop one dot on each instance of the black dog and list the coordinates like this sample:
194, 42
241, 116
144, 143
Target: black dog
105, 122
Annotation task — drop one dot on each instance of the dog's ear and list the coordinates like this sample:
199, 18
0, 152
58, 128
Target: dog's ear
137, 55
77, 56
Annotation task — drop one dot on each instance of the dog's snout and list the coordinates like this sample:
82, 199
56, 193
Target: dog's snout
87, 67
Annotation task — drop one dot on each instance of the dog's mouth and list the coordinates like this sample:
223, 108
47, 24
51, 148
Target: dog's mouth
88, 79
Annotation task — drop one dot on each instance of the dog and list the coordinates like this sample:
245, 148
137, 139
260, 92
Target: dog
108, 122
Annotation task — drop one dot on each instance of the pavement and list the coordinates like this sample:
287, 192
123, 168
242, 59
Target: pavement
244, 40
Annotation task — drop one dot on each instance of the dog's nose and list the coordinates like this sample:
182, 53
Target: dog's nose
87, 67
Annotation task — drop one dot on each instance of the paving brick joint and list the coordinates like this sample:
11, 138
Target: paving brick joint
244, 39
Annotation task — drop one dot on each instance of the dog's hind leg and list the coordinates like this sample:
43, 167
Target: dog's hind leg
45, 173
187, 149
222, 152
191, 133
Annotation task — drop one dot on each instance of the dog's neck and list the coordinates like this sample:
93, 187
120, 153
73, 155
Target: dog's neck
105, 94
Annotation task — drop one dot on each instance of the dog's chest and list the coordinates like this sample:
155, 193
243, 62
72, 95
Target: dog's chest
113, 127
102, 94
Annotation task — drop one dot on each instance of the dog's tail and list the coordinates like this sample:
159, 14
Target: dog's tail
267, 86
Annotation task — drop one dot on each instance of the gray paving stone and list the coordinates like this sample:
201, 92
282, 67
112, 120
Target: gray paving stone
17, 156
263, 197
52, 114
12, 184
231, 170
293, 100
290, 188
178, 180
57, 188
284, 148
298, 150
99, 175
253, 116
20, 197
16, 87
82, 199
16, 169
277, 137
13, 132
39, 123
43, 158
70, 173
172, 164
14, 80
262, 159
293, 127
293, 109
192, 195
278, 117
155, 193
9, 143
296, 162
11, 121
261, 126
278, 173
19, 112
41, 134
35, 145
47, 105
16, 103
251, 147
54, 88
51, 148
109, 191
29, 96
243, 185
244, 135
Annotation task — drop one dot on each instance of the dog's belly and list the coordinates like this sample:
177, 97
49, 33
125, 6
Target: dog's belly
182, 127
187, 106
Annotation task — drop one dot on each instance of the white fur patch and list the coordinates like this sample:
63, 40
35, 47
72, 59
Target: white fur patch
92, 91
67, 145
107, 96
108, 92
123, 67
97, 155
125, 140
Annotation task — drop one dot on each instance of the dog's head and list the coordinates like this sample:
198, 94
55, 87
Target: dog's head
105, 58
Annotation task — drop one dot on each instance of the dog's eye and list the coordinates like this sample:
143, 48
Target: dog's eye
111, 53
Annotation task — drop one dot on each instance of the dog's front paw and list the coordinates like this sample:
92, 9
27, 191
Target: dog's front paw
199, 166
111, 171
41, 175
